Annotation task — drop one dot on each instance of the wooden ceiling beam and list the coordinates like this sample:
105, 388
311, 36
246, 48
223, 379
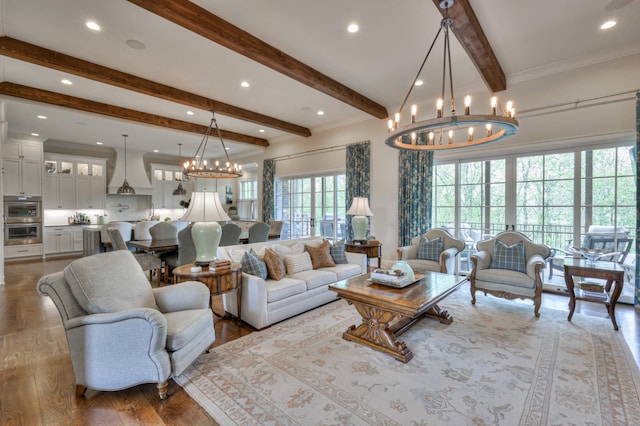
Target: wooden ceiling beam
58, 99
27, 52
471, 36
200, 21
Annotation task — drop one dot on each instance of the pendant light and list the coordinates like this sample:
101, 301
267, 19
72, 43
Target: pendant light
125, 189
180, 190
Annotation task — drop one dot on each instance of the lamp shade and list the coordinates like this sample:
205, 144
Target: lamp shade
205, 210
360, 207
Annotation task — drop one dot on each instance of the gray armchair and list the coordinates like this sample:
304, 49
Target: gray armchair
120, 331
446, 259
511, 270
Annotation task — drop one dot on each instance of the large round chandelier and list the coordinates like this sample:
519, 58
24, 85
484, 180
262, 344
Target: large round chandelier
198, 166
452, 131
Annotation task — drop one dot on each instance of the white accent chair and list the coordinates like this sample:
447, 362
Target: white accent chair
446, 262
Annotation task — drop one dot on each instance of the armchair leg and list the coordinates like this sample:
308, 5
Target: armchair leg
162, 389
80, 391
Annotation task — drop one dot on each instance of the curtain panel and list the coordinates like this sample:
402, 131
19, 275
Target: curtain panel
358, 170
268, 193
637, 293
415, 180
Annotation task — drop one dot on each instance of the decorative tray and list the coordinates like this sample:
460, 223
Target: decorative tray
400, 284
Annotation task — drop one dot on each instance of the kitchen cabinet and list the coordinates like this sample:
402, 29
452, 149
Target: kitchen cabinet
23, 250
91, 185
165, 181
22, 163
59, 184
62, 239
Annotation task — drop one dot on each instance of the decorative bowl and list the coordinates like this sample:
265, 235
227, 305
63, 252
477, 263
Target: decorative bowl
592, 255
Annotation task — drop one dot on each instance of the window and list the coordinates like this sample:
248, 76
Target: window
248, 200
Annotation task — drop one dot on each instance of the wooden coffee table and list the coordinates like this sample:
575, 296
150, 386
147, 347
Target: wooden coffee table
388, 312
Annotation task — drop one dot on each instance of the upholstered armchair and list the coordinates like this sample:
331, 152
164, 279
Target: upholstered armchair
120, 331
509, 266
434, 251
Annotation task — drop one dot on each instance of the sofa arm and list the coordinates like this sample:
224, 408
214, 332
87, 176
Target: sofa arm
182, 297
448, 259
534, 264
254, 301
481, 259
358, 259
407, 252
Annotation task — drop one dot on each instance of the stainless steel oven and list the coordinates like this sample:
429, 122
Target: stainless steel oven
22, 220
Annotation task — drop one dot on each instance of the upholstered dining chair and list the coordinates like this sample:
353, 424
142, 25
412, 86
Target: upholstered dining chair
125, 231
141, 231
163, 231
186, 251
120, 331
275, 232
148, 262
230, 234
509, 266
259, 232
434, 251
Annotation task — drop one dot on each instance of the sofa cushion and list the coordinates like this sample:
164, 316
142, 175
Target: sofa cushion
298, 263
109, 282
508, 257
344, 270
315, 278
320, 255
422, 266
252, 265
275, 265
504, 276
184, 326
337, 252
286, 287
429, 249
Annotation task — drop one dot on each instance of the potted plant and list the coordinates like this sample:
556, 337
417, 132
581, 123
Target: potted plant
233, 213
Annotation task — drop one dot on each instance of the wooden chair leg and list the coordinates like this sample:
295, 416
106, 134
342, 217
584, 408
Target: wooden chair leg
80, 391
162, 389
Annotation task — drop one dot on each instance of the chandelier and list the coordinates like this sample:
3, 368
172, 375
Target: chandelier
453, 131
198, 166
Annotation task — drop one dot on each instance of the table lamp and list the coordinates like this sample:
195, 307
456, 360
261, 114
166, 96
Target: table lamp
205, 211
359, 210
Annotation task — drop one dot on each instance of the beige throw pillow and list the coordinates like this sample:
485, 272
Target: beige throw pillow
275, 266
298, 263
320, 255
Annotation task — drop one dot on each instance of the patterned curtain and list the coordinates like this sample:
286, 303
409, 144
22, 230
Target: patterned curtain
268, 177
415, 179
637, 151
358, 175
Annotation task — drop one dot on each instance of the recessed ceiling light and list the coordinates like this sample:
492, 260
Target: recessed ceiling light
92, 25
245, 84
155, 150
321, 112
98, 143
261, 130
419, 82
67, 82
190, 112
227, 148
353, 28
607, 25
35, 134
42, 117
135, 44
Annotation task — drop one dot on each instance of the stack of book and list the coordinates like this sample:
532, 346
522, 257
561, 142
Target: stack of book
220, 264
592, 290
392, 277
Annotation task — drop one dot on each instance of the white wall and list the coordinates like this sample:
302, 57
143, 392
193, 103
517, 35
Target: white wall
604, 121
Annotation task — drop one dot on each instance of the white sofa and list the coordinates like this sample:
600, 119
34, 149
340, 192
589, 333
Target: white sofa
265, 302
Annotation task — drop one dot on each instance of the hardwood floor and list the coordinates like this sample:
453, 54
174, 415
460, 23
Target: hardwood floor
37, 382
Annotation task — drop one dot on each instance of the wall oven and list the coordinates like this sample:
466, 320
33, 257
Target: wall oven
22, 220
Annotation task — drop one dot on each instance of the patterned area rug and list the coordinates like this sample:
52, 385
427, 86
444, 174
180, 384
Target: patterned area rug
496, 364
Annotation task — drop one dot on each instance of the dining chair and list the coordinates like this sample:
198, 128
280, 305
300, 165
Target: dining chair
147, 262
230, 234
186, 252
259, 232
125, 232
141, 230
275, 233
163, 231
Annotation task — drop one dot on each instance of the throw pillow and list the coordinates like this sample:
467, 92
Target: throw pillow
320, 255
252, 265
286, 250
430, 250
275, 266
508, 257
337, 252
298, 263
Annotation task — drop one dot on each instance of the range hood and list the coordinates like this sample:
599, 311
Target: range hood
136, 173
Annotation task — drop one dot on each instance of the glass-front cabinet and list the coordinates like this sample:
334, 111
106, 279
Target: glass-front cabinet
90, 185
165, 180
59, 184
71, 182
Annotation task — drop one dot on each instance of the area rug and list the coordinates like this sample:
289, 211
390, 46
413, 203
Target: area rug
496, 364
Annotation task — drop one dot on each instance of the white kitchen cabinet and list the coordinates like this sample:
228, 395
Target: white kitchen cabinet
78, 239
59, 239
22, 163
59, 184
91, 184
22, 250
165, 181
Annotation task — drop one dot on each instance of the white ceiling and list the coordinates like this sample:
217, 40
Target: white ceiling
530, 39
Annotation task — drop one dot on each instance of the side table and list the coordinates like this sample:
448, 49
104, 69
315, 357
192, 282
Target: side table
612, 272
372, 249
219, 281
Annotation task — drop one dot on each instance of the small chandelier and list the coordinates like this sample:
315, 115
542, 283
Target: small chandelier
180, 190
443, 132
198, 166
125, 189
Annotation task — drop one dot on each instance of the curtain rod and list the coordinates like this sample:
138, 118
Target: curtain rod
313, 151
575, 104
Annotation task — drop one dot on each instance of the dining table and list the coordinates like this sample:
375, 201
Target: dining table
152, 246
